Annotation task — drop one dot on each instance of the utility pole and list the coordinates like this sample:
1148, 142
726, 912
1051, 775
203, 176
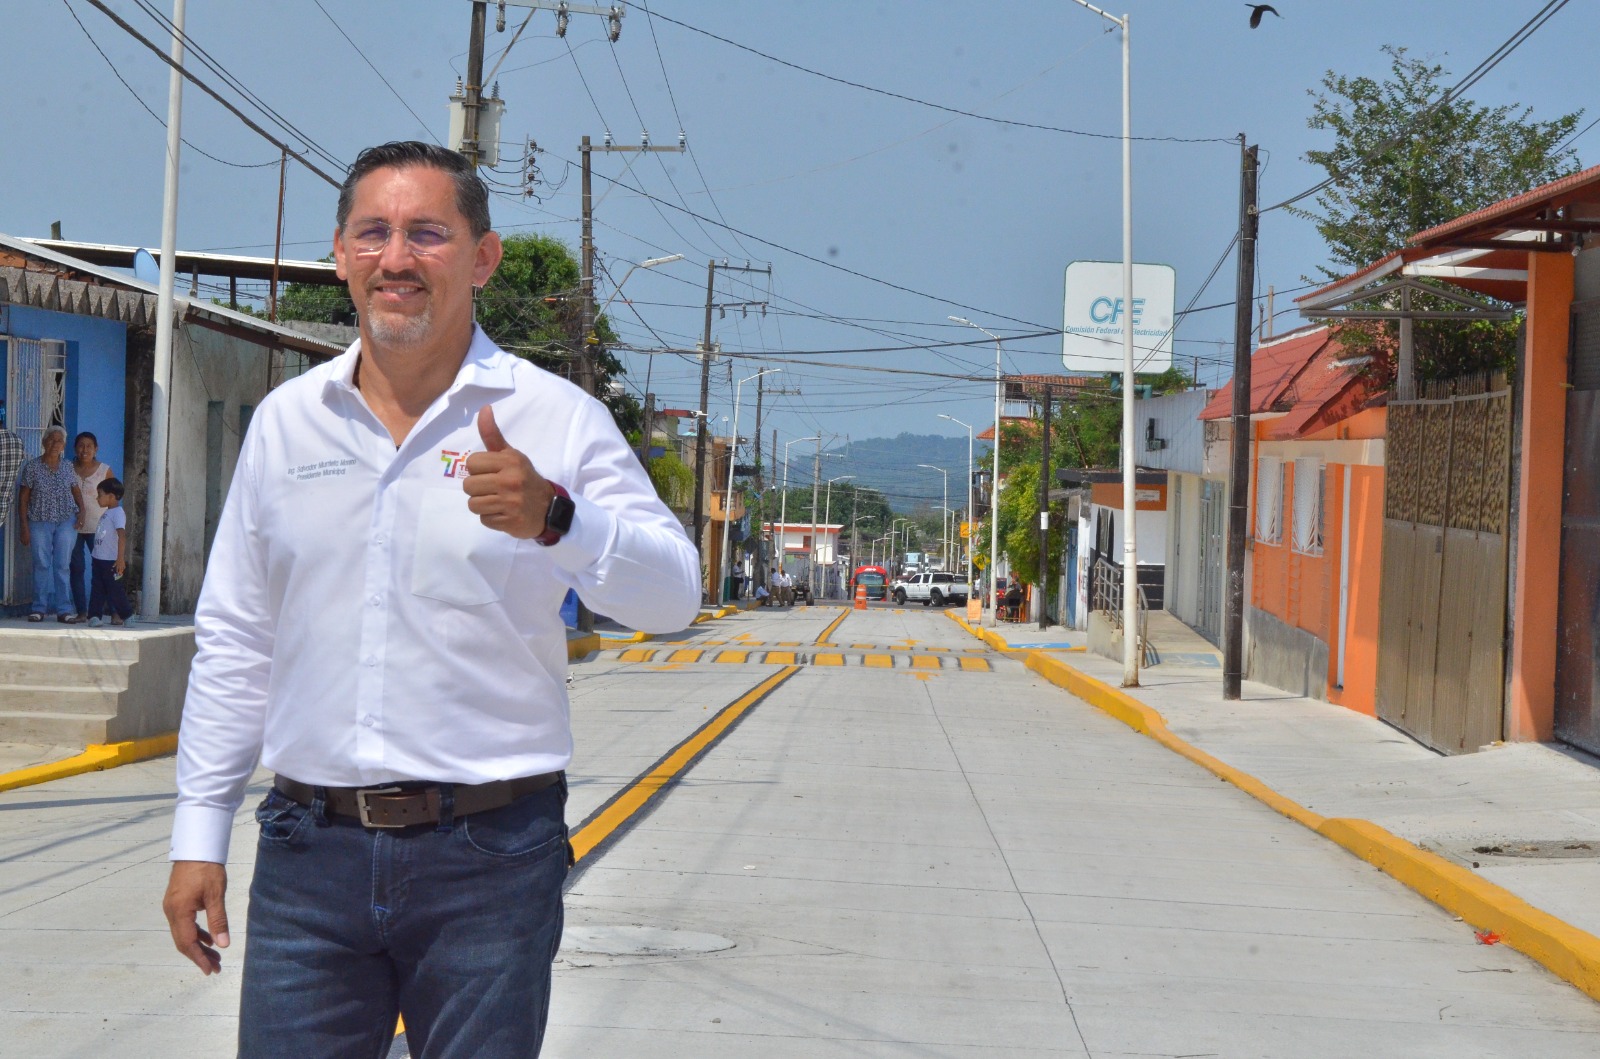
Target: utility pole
761, 482
701, 438
1044, 509
583, 366
1239, 477
816, 476
474, 85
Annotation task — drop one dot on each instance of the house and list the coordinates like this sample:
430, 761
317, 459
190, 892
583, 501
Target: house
1194, 454
1493, 516
1317, 484
79, 352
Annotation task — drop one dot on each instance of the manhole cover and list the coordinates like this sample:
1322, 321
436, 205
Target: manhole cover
641, 941
1551, 849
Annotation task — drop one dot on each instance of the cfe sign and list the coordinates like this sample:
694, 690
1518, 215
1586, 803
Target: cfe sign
1095, 312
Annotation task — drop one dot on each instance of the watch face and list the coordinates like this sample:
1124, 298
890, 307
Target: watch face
559, 517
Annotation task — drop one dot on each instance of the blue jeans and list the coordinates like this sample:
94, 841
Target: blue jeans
454, 926
79, 571
51, 544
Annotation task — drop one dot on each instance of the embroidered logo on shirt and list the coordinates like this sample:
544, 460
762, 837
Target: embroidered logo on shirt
455, 463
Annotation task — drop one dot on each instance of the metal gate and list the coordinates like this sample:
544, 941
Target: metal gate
1577, 645
1441, 614
1213, 549
35, 400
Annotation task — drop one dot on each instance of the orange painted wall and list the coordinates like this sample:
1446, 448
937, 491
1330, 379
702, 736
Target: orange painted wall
1360, 631
1530, 714
1109, 494
1287, 584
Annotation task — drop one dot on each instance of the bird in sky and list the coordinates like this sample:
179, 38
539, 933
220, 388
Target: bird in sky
1257, 10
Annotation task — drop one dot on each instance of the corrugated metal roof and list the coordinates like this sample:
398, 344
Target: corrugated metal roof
120, 297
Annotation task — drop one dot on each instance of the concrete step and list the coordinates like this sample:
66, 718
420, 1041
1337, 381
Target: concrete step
72, 641
54, 727
58, 698
70, 672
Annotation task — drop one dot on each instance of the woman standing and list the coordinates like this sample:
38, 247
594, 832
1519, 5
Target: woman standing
52, 510
90, 472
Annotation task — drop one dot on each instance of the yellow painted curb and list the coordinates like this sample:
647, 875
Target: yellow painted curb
95, 758
1572, 953
578, 646
637, 637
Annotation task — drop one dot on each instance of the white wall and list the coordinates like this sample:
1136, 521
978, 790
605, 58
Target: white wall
1176, 423
206, 366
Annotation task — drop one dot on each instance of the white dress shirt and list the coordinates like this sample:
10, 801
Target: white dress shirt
359, 625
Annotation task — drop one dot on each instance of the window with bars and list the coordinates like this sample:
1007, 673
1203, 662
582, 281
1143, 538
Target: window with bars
1269, 500
1308, 479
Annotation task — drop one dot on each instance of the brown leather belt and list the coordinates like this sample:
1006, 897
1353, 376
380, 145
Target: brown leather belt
396, 806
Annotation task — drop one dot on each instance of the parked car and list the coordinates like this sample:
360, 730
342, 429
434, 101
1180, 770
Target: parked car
933, 589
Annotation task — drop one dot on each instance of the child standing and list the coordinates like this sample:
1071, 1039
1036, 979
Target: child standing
108, 559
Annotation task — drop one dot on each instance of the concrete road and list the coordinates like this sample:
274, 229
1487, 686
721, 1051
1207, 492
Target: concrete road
910, 847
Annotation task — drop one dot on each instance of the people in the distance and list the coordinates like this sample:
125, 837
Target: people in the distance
109, 557
52, 509
90, 472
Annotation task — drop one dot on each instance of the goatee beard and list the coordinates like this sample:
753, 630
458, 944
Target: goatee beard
397, 330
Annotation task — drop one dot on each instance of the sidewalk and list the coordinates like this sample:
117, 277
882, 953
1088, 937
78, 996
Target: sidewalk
1524, 816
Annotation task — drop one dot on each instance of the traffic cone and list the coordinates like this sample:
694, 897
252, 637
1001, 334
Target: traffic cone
861, 597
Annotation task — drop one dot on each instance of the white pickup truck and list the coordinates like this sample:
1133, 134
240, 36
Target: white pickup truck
930, 589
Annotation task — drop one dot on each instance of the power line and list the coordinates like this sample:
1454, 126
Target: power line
1528, 29
208, 90
375, 70
913, 99
233, 82
140, 99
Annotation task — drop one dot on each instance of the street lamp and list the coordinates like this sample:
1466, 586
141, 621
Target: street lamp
733, 452
1130, 553
783, 517
994, 482
649, 262
970, 505
827, 518
944, 545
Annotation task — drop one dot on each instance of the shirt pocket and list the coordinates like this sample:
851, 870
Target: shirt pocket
458, 560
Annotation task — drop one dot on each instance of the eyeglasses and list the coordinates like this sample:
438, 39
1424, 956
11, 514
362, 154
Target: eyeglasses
372, 237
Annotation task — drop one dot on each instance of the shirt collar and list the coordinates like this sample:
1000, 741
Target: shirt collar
486, 366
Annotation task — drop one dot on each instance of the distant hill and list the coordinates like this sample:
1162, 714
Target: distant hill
889, 465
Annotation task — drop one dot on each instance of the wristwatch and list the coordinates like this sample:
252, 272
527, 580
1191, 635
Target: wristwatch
558, 518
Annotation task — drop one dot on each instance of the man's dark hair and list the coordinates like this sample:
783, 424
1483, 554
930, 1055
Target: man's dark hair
472, 194
112, 486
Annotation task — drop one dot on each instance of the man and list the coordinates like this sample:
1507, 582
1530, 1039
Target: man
380, 624
785, 588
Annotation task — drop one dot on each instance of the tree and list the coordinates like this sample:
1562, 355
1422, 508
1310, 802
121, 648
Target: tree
1085, 431
530, 307
1405, 158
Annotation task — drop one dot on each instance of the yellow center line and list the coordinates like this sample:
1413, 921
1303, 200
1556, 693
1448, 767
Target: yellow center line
832, 625
638, 794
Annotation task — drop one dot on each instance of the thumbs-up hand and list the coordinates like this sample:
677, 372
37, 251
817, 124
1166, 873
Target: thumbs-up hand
503, 489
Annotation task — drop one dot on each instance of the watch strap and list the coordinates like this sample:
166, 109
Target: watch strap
556, 527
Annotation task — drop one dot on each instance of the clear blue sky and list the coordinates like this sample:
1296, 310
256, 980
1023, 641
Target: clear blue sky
972, 212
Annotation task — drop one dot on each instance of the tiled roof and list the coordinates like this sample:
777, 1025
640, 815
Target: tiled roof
1587, 180
1301, 377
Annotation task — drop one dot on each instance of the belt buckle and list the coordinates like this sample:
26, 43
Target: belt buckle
364, 811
